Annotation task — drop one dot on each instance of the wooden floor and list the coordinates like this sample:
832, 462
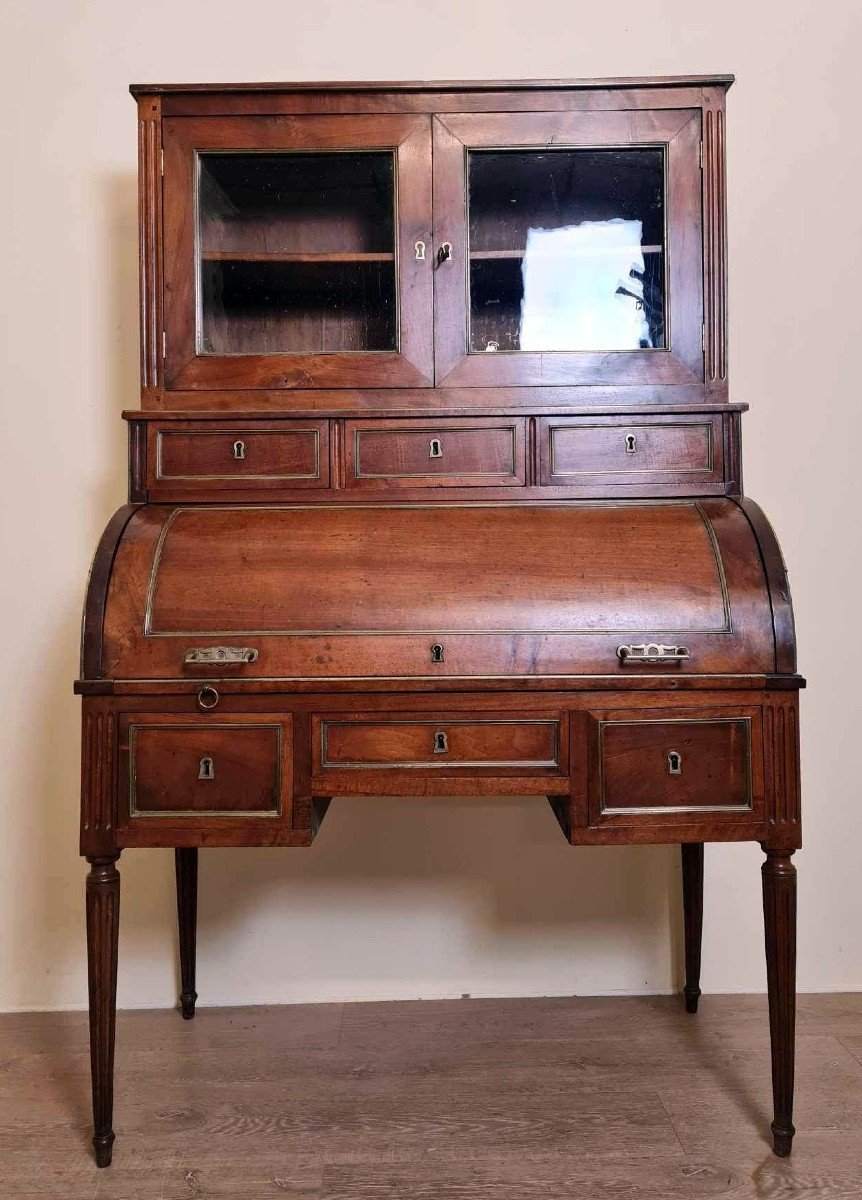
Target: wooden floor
459, 1100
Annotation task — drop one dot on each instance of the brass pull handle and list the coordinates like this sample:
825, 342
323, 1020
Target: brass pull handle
441, 743
207, 698
223, 656
674, 762
444, 253
206, 770
239, 449
651, 654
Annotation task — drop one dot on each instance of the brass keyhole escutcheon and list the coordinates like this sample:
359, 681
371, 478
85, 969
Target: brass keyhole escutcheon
436, 448
437, 653
239, 449
674, 762
419, 247
441, 743
207, 768
631, 443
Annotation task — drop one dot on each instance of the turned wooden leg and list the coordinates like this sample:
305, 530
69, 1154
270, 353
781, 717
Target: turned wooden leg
779, 912
692, 903
187, 915
103, 914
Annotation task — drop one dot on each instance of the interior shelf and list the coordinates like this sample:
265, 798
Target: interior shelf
254, 256
491, 254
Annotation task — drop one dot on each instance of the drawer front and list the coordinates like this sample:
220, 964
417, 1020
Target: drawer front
199, 768
438, 744
227, 457
675, 768
388, 454
617, 452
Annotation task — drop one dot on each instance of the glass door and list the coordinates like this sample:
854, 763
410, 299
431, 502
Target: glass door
294, 252
568, 248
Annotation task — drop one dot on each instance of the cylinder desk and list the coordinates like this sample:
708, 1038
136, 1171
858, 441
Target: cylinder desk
435, 490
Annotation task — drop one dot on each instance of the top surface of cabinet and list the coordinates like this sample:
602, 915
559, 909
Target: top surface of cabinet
567, 236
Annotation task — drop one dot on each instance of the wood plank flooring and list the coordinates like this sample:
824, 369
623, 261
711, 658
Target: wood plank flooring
627, 1099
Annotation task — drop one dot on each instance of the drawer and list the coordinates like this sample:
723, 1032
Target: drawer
470, 754
684, 450
450, 453
675, 768
178, 767
221, 456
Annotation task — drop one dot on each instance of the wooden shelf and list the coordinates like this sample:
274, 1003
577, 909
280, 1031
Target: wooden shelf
254, 256
491, 254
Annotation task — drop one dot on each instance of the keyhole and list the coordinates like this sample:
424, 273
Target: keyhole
441, 743
436, 450
631, 443
239, 449
436, 653
674, 763
420, 251
207, 768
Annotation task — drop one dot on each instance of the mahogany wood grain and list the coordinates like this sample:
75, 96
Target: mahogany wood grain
779, 911
691, 854
103, 925
189, 459
665, 769
505, 589
444, 453
186, 869
508, 86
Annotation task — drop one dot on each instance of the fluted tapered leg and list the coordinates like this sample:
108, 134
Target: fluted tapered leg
779, 912
103, 923
186, 862
692, 903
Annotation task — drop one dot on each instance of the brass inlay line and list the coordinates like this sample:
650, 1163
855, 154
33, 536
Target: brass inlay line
148, 630
745, 721
421, 764
170, 813
635, 470
239, 476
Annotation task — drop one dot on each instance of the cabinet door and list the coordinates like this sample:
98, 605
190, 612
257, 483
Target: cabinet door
294, 252
568, 248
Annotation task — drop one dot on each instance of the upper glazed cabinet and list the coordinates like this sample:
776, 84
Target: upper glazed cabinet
421, 249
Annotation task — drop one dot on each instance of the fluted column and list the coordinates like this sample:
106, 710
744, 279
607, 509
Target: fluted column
103, 922
779, 913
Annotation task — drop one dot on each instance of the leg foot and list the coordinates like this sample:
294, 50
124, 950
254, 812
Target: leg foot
779, 911
104, 1147
103, 921
692, 900
186, 863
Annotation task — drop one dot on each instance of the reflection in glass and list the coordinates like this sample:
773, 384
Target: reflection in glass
567, 250
297, 253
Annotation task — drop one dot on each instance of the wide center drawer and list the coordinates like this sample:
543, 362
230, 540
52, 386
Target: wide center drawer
436, 744
442, 453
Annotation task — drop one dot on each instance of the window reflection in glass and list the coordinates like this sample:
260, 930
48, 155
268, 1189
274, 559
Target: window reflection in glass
567, 250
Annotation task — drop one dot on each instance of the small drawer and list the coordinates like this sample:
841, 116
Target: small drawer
204, 768
450, 453
227, 457
674, 767
685, 450
438, 744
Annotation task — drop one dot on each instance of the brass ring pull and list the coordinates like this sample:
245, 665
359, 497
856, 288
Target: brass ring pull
208, 698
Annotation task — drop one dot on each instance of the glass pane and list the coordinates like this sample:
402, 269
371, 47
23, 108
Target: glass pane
567, 249
297, 253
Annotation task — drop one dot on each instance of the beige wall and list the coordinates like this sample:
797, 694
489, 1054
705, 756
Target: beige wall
417, 898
